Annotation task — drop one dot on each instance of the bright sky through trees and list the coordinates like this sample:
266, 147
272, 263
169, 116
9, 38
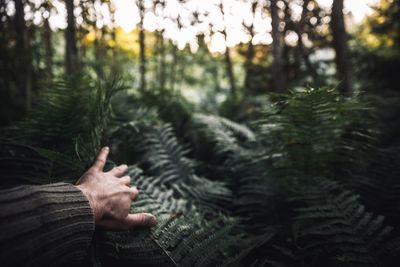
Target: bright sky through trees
236, 12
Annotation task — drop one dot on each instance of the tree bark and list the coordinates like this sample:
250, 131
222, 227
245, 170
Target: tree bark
162, 61
229, 69
175, 58
339, 42
299, 28
279, 76
24, 64
47, 36
250, 53
142, 47
175, 62
71, 49
249, 65
228, 60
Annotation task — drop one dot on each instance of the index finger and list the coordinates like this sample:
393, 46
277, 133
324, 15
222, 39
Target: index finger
100, 161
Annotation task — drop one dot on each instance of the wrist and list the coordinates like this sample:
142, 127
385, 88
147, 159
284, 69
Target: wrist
92, 202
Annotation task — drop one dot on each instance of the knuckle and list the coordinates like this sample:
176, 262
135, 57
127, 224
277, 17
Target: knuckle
121, 167
134, 193
142, 219
100, 160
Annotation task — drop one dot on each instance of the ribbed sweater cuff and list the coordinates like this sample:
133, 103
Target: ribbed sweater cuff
45, 225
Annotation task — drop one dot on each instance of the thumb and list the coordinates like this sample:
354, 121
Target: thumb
140, 220
137, 220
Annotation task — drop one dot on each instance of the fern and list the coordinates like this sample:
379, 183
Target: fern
303, 147
71, 117
332, 227
379, 188
224, 134
168, 165
178, 239
315, 131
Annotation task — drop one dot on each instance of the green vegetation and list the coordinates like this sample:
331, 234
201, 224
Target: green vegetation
261, 155
295, 188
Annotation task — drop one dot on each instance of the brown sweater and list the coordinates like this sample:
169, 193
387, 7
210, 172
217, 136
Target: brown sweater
48, 225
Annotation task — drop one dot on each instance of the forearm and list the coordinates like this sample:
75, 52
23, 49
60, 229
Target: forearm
44, 225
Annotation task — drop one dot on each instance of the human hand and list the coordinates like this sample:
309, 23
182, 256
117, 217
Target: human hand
110, 196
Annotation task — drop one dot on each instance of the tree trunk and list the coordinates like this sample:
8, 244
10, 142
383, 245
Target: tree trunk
142, 47
162, 62
71, 49
249, 66
279, 76
250, 54
229, 69
24, 76
175, 57
113, 34
175, 62
47, 36
299, 28
228, 60
339, 43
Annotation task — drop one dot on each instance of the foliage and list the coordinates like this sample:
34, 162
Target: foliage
297, 190
312, 132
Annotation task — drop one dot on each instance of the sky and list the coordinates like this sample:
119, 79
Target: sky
236, 13
127, 18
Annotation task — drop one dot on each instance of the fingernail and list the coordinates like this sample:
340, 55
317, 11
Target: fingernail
106, 148
152, 219
124, 166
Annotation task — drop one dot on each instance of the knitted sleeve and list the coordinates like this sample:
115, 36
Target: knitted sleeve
48, 225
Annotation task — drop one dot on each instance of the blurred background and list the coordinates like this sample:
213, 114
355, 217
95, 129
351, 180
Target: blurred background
212, 52
260, 133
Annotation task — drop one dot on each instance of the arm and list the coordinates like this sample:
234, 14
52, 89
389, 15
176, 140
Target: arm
54, 224
42, 225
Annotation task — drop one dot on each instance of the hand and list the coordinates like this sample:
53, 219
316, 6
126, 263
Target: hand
110, 196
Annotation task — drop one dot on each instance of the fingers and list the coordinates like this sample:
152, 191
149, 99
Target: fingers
101, 159
119, 170
134, 192
139, 220
126, 180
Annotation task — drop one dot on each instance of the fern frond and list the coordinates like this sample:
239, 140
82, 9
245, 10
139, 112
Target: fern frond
334, 224
380, 187
168, 165
225, 134
71, 117
313, 132
177, 240
24, 164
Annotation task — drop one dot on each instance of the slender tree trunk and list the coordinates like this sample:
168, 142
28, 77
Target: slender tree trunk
228, 60
249, 66
47, 37
175, 61
71, 49
113, 37
162, 63
175, 57
229, 70
279, 76
339, 43
24, 77
142, 47
299, 28
250, 55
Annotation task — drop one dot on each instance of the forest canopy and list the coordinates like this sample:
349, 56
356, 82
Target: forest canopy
260, 132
